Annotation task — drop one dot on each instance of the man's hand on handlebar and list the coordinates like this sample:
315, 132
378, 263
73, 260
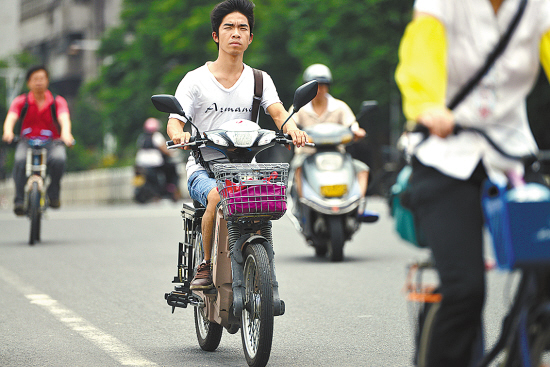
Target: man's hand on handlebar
439, 121
67, 139
358, 134
182, 138
8, 136
299, 137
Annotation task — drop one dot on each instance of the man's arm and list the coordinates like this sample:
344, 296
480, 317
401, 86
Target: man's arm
279, 116
174, 129
64, 120
9, 124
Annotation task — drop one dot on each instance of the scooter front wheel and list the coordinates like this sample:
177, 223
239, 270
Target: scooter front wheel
257, 315
209, 334
337, 239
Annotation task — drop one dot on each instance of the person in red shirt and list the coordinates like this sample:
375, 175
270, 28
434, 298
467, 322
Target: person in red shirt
38, 122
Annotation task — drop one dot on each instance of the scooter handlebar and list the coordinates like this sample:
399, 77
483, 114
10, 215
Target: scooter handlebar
170, 144
287, 139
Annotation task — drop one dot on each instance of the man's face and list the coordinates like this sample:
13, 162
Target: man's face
38, 81
234, 34
322, 90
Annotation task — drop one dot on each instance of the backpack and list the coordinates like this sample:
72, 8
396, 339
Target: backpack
53, 109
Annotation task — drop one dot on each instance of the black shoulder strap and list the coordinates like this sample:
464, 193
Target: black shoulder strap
53, 108
499, 49
22, 115
258, 90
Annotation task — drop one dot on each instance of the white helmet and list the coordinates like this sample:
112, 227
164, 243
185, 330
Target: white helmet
318, 72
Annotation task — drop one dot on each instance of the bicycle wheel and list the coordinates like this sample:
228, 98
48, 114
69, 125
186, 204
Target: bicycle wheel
424, 333
34, 213
336, 232
209, 334
540, 344
257, 316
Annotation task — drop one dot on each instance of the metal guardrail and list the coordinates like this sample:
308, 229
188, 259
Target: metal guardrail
96, 187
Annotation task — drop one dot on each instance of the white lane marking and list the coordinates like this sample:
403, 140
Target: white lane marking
113, 347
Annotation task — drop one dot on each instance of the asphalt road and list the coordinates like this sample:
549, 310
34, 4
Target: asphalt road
92, 294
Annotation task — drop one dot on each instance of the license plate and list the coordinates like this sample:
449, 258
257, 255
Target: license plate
139, 180
334, 191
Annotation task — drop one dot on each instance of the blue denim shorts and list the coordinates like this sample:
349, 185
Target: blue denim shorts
199, 185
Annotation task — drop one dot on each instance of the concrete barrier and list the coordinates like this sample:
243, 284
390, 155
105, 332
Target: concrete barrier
96, 187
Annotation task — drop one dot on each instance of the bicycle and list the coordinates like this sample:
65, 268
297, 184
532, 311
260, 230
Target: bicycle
519, 244
522, 245
35, 202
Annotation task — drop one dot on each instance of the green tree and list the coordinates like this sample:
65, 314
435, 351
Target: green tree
159, 41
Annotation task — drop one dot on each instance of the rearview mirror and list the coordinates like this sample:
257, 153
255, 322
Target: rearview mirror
304, 94
368, 113
167, 103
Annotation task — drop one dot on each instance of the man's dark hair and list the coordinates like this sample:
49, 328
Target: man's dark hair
245, 7
36, 68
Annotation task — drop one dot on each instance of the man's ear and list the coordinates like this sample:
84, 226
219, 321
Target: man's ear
250, 39
215, 37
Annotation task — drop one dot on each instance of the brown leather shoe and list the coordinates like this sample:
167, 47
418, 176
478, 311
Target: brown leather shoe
203, 277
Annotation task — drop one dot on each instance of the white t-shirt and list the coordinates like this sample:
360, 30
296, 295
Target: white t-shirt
497, 104
210, 104
337, 112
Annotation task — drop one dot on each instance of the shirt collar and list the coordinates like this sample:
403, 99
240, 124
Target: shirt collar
48, 94
331, 105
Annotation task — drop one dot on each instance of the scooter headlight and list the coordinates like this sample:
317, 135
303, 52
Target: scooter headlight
329, 162
217, 139
266, 138
242, 139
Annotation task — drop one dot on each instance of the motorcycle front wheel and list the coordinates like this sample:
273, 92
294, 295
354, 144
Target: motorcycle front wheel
257, 316
209, 334
34, 213
336, 238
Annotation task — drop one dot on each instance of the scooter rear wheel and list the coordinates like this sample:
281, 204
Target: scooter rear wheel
209, 334
257, 316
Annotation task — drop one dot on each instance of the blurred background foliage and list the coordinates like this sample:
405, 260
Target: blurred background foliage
158, 41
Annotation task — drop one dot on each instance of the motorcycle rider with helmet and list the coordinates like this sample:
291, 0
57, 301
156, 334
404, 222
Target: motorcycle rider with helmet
153, 155
325, 108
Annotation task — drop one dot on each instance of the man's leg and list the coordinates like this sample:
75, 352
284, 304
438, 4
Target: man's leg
208, 219
362, 173
19, 176
203, 189
57, 156
363, 178
449, 216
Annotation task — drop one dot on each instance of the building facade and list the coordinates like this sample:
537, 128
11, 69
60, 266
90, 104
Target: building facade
64, 35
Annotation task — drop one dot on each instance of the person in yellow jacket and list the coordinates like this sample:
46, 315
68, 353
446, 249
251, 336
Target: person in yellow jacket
444, 45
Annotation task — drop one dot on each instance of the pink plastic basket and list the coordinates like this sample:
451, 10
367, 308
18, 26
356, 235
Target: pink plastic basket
252, 190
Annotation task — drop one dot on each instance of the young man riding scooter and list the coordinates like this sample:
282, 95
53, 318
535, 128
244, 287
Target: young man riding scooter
214, 93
